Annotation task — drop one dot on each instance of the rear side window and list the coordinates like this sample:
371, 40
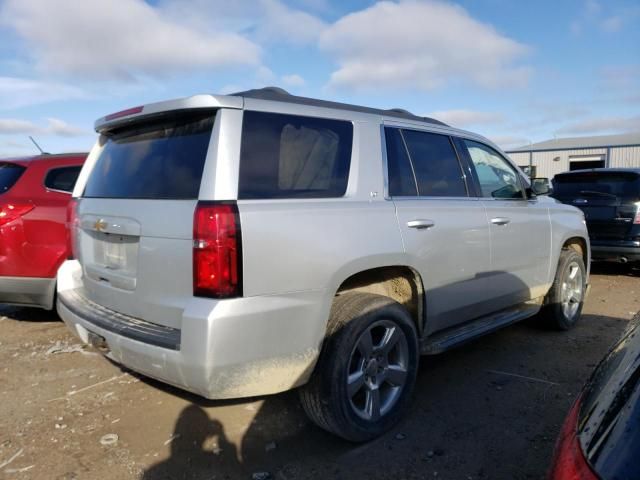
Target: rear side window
63, 178
436, 165
160, 159
9, 175
620, 185
402, 182
287, 156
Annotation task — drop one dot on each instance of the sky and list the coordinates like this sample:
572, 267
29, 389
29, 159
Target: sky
517, 72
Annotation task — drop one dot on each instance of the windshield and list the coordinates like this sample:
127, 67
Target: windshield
160, 159
9, 174
602, 185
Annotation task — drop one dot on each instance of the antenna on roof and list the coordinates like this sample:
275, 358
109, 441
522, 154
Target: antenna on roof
37, 146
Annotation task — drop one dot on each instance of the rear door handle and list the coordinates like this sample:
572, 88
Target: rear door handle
500, 220
420, 224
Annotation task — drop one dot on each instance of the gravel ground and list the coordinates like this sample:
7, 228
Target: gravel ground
491, 409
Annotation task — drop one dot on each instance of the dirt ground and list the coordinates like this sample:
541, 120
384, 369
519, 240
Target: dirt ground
489, 410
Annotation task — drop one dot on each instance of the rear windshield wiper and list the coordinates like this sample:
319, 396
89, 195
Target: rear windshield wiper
597, 194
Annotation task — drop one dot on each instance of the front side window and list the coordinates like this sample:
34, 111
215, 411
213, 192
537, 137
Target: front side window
437, 169
63, 178
289, 156
497, 178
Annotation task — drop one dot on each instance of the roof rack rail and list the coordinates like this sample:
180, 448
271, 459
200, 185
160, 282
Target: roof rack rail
400, 110
278, 94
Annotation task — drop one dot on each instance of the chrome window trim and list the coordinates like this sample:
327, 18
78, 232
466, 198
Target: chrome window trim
472, 199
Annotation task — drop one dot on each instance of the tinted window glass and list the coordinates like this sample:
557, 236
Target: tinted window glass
160, 159
287, 156
402, 183
436, 164
63, 178
9, 174
498, 179
597, 184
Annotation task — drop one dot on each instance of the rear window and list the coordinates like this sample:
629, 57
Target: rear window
617, 184
288, 156
9, 175
160, 159
63, 178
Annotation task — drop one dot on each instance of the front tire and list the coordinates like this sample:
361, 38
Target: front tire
367, 369
564, 301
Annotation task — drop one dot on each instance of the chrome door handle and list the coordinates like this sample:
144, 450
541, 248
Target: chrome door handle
500, 220
420, 224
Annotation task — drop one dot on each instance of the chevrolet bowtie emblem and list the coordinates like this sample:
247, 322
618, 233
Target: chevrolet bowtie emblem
100, 225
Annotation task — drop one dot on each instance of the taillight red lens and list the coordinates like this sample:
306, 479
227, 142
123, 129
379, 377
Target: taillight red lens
636, 220
568, 461
216, 250
12, 211
72, 222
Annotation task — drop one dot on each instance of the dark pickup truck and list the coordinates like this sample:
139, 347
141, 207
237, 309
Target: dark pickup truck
610, 200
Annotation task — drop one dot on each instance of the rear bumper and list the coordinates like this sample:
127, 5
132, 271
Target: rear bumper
615, 252
225, 349
28, 291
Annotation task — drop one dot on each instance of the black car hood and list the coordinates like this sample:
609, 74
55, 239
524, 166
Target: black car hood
609, 424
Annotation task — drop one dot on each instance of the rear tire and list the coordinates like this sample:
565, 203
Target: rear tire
367, 369
564, 301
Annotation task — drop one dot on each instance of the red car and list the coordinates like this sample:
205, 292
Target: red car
34, 193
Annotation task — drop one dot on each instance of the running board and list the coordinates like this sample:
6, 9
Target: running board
456, 336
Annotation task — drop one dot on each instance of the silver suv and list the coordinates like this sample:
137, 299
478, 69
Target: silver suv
248, 244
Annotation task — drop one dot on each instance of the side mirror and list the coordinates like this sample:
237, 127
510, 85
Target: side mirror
540, 186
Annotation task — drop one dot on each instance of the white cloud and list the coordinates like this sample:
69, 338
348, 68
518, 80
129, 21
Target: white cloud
423, 45
466, 118
609, 18
54, 126
620, 77
12, 148
266, 21
293, 80
10, 126
21, 92
284, 23
63, 129
612, 24
119, 39
610, 124
506, 141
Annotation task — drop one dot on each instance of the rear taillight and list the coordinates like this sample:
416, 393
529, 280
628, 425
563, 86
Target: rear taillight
13, 211
216, 250
636, 220
72, 223
569, 462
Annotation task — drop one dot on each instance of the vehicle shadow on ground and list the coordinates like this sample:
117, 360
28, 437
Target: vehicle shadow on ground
278, 434
29, 314
481, 411
616, 268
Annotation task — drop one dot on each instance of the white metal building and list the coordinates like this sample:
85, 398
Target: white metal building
545, 159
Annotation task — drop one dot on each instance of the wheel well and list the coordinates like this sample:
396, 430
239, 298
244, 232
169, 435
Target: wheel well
579, 245
402, 284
